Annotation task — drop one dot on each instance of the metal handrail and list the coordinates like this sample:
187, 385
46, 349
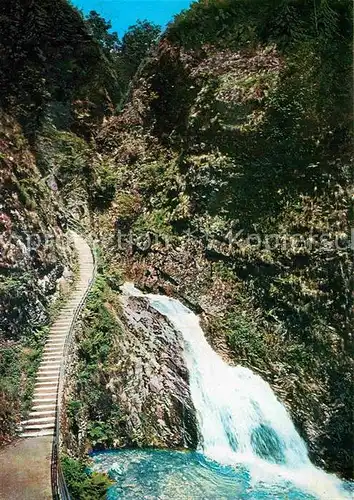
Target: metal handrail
59, 487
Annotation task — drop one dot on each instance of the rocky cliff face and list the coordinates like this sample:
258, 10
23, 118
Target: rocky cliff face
139, 394
35, 252
37, 266
150, 381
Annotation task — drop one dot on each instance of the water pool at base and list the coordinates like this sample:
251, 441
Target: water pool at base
178, 475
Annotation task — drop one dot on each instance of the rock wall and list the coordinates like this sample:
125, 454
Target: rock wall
142, 386
35, 251
37, 267
151, 380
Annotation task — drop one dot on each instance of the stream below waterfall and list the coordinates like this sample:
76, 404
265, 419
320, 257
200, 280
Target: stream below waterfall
250, 448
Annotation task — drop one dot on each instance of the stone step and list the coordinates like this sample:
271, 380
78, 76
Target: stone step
44, 396
54, 374
39, 403
38, 421
44, 388
41, 420
41, 413
51, 385
33, 434
47, 377
50, 364
54, 368
51, 367
51, 380
39, 427
43, 404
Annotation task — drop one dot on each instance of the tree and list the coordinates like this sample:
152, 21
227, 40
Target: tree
136, 44
99, 30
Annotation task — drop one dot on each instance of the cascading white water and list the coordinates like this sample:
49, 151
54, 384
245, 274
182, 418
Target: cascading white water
241, 420
238, 412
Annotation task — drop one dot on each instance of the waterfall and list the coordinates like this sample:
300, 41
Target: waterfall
240, 418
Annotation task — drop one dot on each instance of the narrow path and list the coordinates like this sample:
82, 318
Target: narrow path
25, 465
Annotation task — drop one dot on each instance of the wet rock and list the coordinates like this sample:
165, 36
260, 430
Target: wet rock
156, 397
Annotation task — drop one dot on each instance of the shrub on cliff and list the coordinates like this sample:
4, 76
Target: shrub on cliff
82, 483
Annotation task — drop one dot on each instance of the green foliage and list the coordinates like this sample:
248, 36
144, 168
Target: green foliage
63, 154
18, 368
83, 484
237, 23
136, 44
102, 184
123, 57
62, 62
93, 370
103, 434
75, 165
99, 29
129, 206
246, 340
114, 278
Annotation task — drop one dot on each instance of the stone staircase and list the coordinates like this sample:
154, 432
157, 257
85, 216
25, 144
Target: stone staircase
41, 419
